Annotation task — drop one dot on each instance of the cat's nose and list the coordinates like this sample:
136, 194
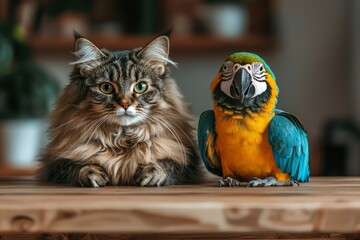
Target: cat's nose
124, 105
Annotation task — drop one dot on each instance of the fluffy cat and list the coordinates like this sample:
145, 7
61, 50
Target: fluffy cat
121, 121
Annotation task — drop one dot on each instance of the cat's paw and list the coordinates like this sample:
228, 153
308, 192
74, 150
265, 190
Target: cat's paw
93, 176
150, 175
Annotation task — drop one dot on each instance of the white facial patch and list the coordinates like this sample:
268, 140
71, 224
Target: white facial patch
256, 70
130, 111
260, 87
129, 116
258, 74
227, 77
225, 87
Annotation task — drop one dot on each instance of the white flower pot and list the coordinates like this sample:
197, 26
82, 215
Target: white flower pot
228, 20
21, 141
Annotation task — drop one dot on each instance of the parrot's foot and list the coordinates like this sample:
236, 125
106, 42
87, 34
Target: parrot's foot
270, 181
228, 181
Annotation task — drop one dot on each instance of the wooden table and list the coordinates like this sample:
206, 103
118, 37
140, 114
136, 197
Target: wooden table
324, 208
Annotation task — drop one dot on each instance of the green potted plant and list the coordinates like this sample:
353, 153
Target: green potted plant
27, 93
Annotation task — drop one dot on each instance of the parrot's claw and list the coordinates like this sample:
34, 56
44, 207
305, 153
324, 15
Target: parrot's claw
228, 181
270, 181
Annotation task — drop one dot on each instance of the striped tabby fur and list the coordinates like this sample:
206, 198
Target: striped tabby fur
122, 137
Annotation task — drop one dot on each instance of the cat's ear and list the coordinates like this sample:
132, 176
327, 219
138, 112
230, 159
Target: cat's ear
88, 56
156, 54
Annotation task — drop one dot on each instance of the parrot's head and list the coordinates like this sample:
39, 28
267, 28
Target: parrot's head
244, 83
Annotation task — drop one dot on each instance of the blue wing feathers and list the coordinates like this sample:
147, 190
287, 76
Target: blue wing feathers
298, 151
206, 129
290, 145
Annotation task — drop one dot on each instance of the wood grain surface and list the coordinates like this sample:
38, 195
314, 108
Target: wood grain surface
322, 207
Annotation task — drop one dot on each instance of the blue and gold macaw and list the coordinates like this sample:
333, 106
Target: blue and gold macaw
245, 138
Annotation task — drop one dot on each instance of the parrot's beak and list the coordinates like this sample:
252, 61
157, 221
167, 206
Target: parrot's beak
242, 85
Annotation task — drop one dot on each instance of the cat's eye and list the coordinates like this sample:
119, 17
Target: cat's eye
106, 88
140, 87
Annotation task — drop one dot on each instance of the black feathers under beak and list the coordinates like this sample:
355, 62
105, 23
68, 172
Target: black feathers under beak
241, 87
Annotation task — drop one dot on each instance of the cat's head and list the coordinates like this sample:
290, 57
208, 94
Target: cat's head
121, 86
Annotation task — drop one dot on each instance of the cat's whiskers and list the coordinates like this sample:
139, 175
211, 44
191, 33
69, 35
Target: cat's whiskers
66, 123
178, 139
71, 148
62, 125
96, 127
76, 106
153, 122
185, 134
172, 131
89, 127
79, 124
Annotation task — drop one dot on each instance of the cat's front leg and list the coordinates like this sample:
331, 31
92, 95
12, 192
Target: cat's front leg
68, 171
150, 174
163, 172
93, 175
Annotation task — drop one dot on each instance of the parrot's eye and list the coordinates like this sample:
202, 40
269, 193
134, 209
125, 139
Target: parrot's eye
249, 68
227, 67
258, 68
227, 71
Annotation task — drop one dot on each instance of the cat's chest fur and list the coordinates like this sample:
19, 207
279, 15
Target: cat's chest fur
126, 148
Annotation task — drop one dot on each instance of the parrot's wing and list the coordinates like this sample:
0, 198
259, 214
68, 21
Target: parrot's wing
289, 142
206, 138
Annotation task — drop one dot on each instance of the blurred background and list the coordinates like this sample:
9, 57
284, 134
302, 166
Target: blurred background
313, 47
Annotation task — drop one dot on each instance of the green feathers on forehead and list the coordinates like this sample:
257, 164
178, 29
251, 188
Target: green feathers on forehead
248, 58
